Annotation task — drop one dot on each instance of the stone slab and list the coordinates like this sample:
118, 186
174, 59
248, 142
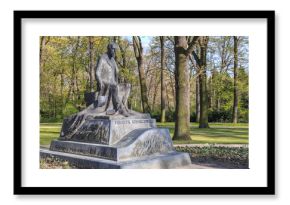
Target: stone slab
170, 160
138, 143
144, 142
86, 149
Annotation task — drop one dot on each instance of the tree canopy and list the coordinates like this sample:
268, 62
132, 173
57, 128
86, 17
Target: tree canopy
214, 72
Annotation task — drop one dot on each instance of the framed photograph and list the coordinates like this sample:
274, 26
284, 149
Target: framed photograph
144, 102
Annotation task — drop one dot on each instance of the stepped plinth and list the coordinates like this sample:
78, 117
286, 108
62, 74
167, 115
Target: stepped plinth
117, 143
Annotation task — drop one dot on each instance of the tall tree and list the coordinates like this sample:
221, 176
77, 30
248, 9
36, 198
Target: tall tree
163, 91
203, 94
197, 95
235, 105
138, 50
43, 41
42, 45
183, 47
203, 122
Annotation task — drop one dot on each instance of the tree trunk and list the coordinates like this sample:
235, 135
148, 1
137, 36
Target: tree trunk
168, 101
235, 106
197, 100
218, 104
124, 62
210, 93
213, 90
172, 85
163, 91
138, 50
91, 64
54, 101
182, 124
143, 86
155, 90
203, 122
41, 59
61, 91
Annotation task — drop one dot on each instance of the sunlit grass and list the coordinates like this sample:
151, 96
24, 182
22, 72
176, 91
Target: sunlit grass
218, 133
49, 132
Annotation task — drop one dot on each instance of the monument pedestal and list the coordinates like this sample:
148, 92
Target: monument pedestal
170, 160
118, 144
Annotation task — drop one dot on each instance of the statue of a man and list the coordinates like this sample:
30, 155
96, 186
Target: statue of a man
111, 100
107, 79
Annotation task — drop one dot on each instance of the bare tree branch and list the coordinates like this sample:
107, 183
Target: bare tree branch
196, 58
135, 46
170, 39
192, 44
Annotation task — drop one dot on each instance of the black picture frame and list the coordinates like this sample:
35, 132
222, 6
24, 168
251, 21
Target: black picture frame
268, 190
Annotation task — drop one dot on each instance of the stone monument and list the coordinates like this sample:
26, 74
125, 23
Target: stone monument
108, 135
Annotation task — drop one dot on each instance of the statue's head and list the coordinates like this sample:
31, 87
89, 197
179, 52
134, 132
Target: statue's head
112, 49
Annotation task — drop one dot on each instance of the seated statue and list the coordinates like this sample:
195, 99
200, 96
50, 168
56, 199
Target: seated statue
107, 78
110, 100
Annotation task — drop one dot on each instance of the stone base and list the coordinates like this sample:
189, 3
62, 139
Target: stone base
107, 143
138, 143
169, 160
103, 129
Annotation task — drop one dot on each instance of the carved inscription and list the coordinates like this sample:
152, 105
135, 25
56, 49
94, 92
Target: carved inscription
133, 121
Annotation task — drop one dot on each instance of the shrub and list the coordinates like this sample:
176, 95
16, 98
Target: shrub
193, 117
156, 115
220, 116
169, 115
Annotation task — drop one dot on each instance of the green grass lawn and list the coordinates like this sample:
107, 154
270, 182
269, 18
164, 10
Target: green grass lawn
218, 133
